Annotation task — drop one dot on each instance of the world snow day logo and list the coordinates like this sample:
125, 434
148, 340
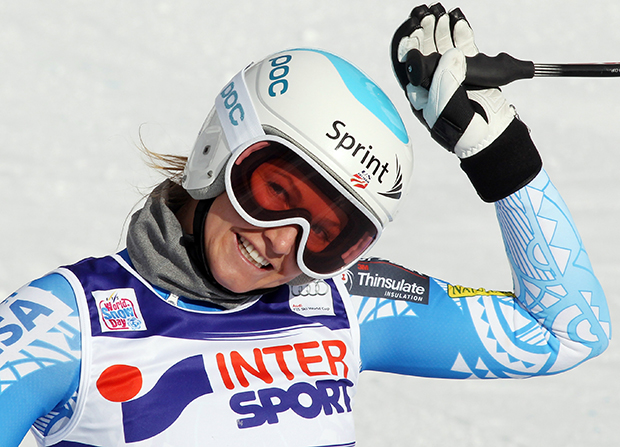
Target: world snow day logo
119, 310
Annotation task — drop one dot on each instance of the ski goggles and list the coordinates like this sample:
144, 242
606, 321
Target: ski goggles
272, 183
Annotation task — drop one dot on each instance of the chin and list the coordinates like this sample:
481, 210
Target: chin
241, 286
244, 287
232, 285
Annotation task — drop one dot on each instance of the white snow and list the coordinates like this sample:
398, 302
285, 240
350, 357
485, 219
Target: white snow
81, 81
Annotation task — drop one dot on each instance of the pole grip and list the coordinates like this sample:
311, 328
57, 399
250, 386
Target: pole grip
482, 70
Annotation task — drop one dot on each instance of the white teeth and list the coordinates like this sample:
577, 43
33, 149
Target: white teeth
251, 254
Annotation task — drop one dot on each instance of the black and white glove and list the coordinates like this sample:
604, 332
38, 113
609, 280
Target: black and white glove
478, 125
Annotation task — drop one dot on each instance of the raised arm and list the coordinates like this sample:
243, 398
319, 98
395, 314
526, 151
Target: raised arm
553, 278
557, 315
556, 318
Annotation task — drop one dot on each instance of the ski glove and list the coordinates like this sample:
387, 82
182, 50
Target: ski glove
478, 125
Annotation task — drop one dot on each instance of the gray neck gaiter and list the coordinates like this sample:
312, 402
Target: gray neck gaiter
154, 244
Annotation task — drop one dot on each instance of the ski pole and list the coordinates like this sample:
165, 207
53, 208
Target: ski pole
487, 71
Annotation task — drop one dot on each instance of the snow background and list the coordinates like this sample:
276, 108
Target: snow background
81, 81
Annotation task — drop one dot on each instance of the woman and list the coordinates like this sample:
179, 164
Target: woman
242, 311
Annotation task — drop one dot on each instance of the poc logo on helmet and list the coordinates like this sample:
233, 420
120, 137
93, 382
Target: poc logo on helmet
231, 102
277, 75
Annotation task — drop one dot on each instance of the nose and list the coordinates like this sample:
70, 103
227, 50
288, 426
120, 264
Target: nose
282, 240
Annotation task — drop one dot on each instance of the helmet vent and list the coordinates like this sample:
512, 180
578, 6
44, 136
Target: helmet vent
206, 150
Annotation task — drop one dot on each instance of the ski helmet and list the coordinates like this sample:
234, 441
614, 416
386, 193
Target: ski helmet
326, 110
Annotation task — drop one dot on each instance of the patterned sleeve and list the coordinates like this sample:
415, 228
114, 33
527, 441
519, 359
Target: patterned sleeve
555, 319
39, 358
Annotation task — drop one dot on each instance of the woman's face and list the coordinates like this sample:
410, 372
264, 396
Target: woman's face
243, 257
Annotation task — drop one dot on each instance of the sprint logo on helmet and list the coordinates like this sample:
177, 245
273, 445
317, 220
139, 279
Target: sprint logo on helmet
348, 142
372, 166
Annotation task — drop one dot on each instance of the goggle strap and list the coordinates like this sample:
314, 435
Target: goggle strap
236, 112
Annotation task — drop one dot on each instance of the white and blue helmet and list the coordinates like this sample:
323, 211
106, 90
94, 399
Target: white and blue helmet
322, 104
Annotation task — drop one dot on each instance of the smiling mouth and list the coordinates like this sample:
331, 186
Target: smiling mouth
251, 254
